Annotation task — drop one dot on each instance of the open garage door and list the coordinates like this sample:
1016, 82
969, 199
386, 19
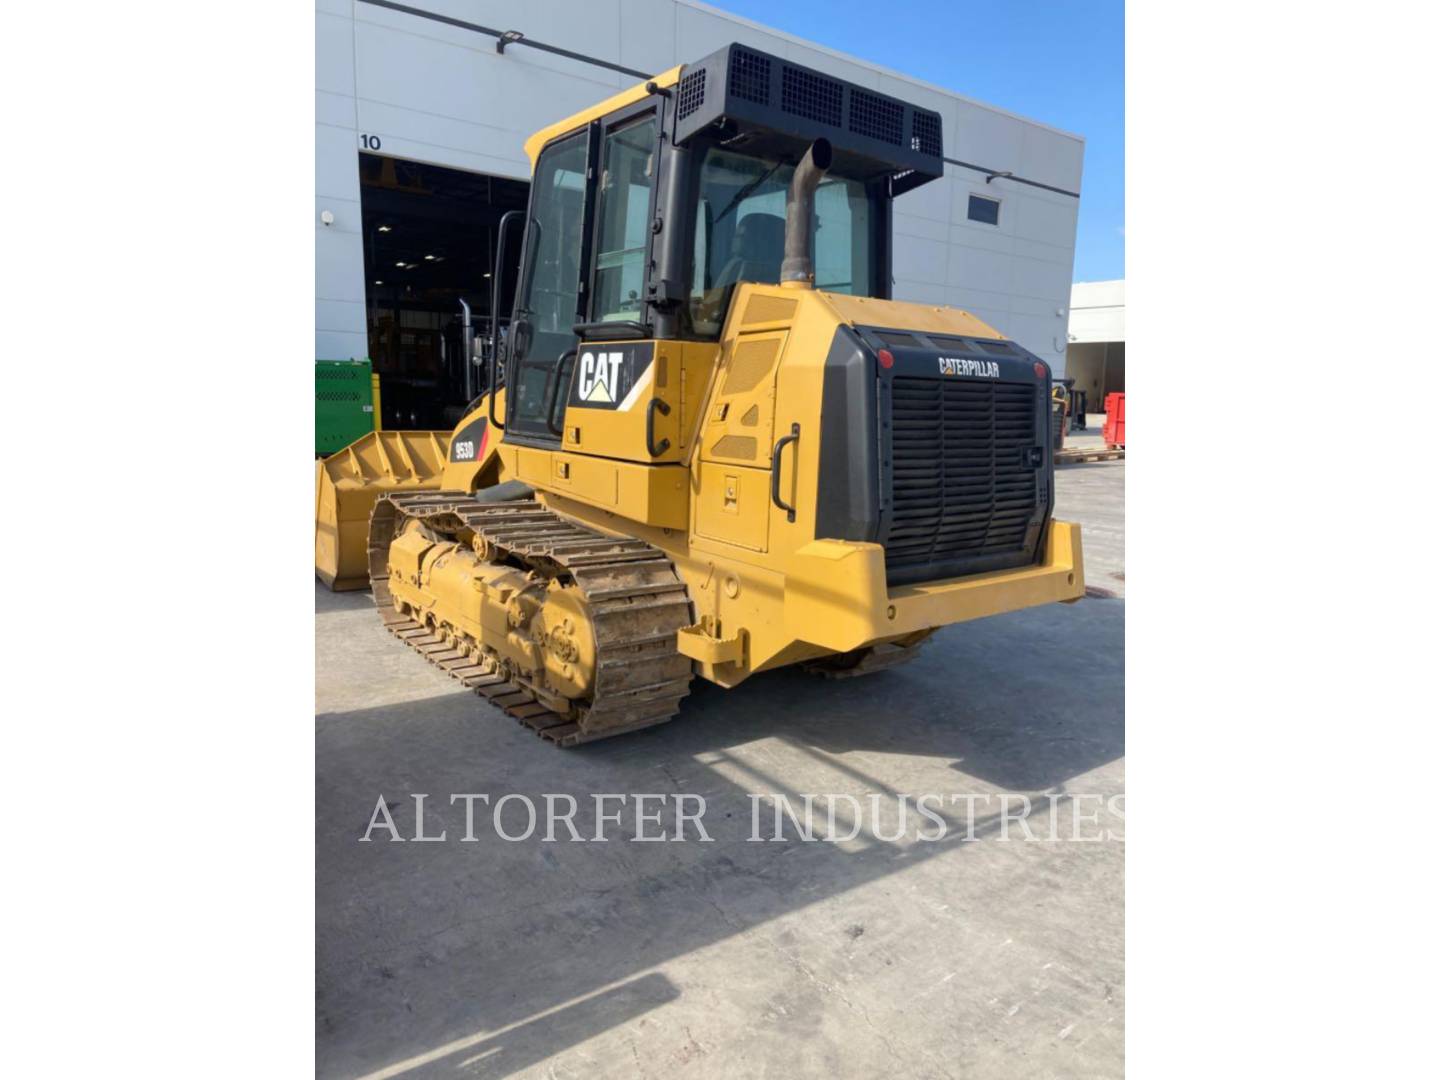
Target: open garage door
430, 235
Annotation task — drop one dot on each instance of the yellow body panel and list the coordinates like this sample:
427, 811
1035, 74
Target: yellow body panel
647, 494
536, 142
730, 505
903, 315
678, 376
835, 594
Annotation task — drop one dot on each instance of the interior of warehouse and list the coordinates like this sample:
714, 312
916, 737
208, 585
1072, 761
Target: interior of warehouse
1098, 368
1095, 350
430, 237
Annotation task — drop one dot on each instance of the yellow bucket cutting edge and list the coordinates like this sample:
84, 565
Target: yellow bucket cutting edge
348, 482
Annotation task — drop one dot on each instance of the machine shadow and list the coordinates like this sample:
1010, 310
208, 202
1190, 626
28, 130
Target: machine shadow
1023, 702
499, 954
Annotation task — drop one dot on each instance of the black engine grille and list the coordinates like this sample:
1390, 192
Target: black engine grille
961, 486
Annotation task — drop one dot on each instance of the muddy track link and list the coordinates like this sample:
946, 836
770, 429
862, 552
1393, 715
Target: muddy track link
636, 599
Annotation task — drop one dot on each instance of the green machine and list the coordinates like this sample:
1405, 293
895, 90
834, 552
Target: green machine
344, 403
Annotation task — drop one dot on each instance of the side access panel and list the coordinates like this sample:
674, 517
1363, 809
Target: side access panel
732, 495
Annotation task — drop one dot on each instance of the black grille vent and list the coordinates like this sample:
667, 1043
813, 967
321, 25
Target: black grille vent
877, 117
961, 486
750, 76
925, 132
997, 348
898, 338
812, 96
692, 93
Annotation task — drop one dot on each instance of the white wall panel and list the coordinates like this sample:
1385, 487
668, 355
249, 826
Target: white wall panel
336, 110
339, 265
1097, 311
334, 59
647, 35
337, 169
980, 270
921, 259
987, 138
1050, 157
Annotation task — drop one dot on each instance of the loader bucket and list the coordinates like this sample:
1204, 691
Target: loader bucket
347, 484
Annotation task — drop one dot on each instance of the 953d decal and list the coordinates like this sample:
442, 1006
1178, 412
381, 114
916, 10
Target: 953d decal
469, 442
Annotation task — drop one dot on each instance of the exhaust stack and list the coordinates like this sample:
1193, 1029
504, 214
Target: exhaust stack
798, 269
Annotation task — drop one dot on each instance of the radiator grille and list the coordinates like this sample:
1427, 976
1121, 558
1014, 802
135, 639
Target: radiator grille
960, 485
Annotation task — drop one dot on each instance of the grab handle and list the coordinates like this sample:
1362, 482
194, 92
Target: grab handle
793, 437
656, 405
558, 387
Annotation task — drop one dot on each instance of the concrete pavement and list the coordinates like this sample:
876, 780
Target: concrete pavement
999, 956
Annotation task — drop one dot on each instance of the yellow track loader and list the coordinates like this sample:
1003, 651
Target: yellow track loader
713, 444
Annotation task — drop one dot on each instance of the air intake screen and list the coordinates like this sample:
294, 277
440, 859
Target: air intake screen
750, 76
812, 96
925, 133
692, 93
877, 117
779, 108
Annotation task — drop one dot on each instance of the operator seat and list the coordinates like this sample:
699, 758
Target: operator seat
757, 252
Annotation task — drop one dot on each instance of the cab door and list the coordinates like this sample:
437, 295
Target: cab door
622, 387
548, 301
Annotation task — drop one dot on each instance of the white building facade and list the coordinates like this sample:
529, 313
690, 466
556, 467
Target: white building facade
1095, 358
417, 86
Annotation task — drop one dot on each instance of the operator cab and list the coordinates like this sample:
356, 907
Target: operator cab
646, 213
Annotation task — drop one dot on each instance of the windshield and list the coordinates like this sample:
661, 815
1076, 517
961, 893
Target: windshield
740, 233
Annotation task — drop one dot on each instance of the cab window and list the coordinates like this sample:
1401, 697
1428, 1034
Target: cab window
548, 299
626, 180
740, 233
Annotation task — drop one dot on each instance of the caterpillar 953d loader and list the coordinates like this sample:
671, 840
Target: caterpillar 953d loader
717, 446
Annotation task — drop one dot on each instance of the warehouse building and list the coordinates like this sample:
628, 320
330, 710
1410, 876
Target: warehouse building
1095, 358
422, 110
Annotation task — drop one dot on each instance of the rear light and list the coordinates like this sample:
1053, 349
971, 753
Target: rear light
887, 360
1039, 370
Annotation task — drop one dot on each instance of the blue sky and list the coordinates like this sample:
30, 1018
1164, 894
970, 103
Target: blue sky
1057, 62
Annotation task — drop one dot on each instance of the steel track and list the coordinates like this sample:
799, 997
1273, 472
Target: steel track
636, 600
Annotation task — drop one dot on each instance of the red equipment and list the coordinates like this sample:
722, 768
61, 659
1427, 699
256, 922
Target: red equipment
1114, 430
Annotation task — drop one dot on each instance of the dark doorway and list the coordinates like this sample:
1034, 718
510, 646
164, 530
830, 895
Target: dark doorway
430, 235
